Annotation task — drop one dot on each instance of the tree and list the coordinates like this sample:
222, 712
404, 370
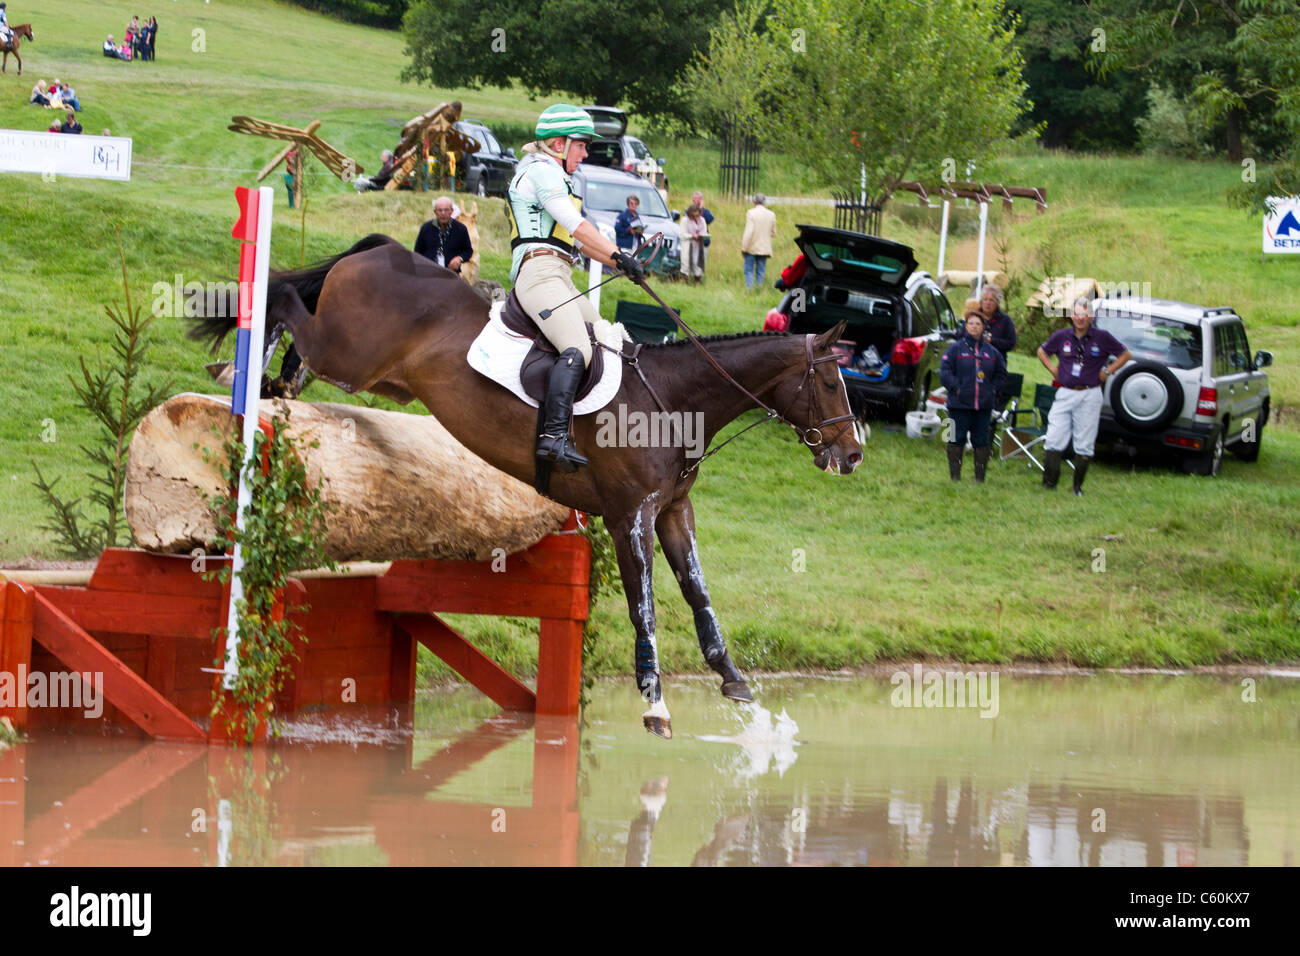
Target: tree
597, 50
1217, 53
904, 89
1074, 107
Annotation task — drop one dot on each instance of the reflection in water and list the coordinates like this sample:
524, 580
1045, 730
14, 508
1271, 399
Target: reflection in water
1098, 771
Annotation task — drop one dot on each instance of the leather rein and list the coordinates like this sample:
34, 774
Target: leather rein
814, 402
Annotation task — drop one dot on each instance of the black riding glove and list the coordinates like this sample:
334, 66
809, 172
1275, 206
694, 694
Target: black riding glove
627, 265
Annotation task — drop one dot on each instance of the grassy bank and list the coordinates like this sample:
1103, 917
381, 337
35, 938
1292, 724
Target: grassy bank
897, 561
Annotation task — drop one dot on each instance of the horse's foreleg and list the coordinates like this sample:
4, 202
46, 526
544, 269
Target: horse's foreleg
634, 543
676, 527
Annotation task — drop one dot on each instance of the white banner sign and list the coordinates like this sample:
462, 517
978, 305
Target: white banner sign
65, 154
1282, 229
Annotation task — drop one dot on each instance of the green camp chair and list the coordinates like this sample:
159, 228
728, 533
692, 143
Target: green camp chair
1016, 440
646, 323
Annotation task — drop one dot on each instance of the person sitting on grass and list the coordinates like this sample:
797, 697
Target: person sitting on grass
40, 95
70, 125
68, 95
111, 50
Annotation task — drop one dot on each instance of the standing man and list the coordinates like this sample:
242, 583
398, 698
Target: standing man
756, 243
547, 230
443, 239
1082, 354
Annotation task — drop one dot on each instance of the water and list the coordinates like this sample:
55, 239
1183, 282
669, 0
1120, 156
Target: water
1074, 771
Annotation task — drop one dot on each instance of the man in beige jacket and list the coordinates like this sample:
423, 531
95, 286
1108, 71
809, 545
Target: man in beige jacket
756, 244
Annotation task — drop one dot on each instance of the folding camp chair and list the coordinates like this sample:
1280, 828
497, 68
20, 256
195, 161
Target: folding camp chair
1006, 408
646, 323
1019, 440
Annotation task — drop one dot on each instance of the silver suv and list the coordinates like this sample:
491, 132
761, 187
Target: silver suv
1193, 387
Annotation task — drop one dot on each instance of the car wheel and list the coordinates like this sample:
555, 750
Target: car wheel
1208, 463
1146, 397
1249, 450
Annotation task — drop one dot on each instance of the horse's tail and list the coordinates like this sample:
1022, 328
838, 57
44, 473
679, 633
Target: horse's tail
307, 282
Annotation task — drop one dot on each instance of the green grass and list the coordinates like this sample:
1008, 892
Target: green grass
898, 561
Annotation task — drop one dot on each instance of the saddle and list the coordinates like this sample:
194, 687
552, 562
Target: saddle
542, 356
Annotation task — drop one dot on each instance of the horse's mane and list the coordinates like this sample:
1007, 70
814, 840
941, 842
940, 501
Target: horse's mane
724, 337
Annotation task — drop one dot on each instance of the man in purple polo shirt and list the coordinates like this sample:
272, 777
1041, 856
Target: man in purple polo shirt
1083, 357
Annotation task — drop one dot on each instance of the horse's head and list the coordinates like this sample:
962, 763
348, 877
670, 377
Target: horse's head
817, 404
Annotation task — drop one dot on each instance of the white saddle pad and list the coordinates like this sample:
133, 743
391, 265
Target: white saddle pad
498, 353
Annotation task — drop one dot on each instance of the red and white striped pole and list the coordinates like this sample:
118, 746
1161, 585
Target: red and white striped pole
254, 230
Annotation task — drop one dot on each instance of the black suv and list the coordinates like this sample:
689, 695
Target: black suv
487, 171
897, 316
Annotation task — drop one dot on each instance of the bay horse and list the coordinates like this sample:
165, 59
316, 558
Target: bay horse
11, 46
380, 318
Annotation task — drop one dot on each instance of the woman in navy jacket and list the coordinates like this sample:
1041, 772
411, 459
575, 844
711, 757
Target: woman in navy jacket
973, 372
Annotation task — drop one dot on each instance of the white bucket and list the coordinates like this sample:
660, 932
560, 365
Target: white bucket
922, 424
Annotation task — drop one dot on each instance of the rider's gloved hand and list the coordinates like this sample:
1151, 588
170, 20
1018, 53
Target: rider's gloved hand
627, 265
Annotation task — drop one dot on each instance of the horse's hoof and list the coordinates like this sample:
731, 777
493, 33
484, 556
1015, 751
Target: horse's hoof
737, 690
659, 726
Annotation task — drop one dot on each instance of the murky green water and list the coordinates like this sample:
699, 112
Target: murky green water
1128, 770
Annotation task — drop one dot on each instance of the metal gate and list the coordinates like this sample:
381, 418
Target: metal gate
853, 214
738, 168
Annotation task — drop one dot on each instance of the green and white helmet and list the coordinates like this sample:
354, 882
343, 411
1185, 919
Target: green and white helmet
565, 120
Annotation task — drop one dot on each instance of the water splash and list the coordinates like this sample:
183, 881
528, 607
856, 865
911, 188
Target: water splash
765, 742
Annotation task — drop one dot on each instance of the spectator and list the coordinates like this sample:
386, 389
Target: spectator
70, 125
111, 50
6, 34
999, 330
132, 38
443, 239
40, 95
69, 96
380, 179
150, 34
973, 372
1081, 359
55, 127
628, 227
697, 197
756, 243
695, 234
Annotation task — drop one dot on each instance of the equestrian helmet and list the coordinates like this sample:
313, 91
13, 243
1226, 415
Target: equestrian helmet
565, 120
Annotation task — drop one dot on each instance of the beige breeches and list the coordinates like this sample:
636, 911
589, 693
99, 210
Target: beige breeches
543, 283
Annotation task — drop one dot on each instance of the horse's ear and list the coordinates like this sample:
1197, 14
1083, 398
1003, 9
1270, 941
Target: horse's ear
831, 336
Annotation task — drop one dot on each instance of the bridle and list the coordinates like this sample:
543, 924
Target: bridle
816, 445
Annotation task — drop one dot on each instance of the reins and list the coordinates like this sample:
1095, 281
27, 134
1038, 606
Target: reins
772, 413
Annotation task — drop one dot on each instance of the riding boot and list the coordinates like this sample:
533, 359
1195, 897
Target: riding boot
981, 462
955, 453
553, 441
1051, 468
1080, 472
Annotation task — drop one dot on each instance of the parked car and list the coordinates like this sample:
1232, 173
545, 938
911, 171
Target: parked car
488, 170
900, 313
614, 149
1194, 387
604, 193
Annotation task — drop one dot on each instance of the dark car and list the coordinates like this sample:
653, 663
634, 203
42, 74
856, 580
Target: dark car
898, 320
614, 149
488, 170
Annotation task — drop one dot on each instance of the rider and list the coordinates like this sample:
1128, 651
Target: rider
547, 229
5, 33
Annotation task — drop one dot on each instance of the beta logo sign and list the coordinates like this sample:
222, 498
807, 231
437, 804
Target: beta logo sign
1282, 228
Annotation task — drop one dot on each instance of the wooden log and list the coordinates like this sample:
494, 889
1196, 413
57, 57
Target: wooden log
401, 486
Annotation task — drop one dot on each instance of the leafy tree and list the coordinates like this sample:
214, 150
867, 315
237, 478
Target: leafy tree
597, 50
1221, 54
901, 88
1074, 107
376, 13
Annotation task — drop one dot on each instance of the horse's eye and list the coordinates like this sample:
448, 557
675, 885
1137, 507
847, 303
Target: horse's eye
831, 386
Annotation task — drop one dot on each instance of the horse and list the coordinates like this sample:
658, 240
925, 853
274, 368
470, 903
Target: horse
380, 318
11, 46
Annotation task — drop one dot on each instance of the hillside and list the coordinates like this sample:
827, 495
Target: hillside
898, 561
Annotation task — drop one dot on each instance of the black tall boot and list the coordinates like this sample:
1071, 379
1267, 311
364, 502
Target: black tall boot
981, 462
553, 441
1080, 472
1051, 468
955, 451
